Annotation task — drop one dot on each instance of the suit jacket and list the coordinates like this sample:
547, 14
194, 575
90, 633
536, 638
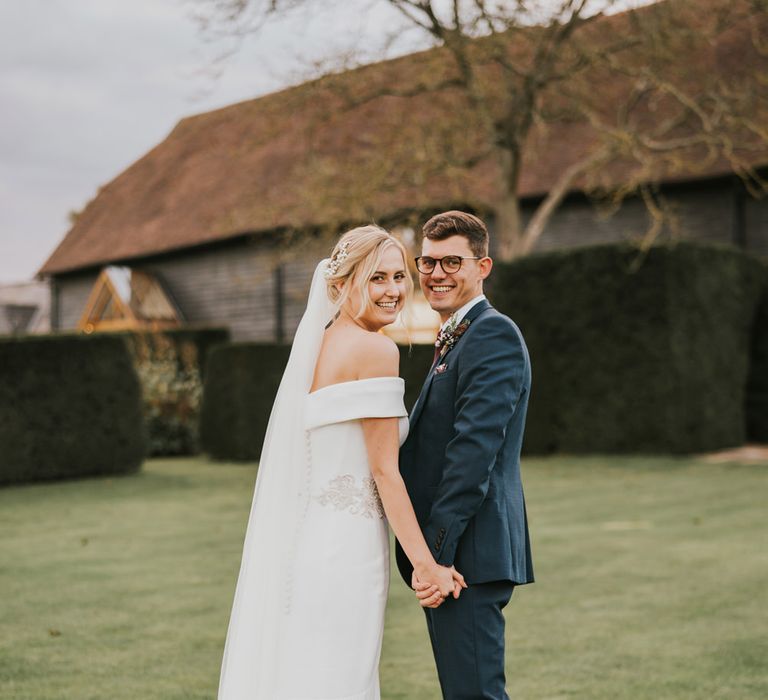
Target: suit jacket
461, 460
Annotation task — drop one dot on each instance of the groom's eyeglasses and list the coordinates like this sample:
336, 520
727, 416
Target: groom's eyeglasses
449, 263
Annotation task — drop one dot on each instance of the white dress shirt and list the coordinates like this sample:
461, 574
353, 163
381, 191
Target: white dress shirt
463, 311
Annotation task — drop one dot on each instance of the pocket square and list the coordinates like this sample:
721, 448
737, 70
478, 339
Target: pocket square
441, 368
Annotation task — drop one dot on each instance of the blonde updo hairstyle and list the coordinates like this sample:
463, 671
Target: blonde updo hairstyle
355, 259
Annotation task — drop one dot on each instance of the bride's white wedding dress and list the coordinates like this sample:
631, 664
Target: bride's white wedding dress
341, 576
308, 616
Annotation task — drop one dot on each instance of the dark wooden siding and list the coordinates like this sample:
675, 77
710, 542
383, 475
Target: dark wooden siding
706, 212
72, 294
231, 285
297, 275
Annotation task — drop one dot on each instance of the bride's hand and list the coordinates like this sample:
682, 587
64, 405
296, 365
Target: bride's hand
427, 594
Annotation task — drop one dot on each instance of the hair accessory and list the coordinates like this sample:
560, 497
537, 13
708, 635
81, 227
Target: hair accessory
333, 265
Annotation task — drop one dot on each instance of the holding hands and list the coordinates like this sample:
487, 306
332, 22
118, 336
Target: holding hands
434, 586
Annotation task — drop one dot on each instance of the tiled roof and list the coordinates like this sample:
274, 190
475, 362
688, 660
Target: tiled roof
302, 157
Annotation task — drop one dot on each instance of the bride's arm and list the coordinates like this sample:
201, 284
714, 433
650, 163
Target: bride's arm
382, 445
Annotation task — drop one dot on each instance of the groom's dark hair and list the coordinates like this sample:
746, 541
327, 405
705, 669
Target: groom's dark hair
458, 223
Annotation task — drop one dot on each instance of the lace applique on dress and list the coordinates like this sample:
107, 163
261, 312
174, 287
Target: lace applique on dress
342, 494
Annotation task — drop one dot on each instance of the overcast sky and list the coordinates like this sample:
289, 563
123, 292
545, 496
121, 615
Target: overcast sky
88, 86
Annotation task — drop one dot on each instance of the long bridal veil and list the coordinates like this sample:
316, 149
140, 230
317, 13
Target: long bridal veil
252, 652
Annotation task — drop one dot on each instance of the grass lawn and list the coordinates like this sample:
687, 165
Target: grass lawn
651, 583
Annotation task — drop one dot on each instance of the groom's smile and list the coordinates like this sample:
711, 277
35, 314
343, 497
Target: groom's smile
448, 292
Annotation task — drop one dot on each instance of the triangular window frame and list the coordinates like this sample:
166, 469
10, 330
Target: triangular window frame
105, 291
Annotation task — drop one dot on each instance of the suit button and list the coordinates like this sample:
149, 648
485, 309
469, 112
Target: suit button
437, 545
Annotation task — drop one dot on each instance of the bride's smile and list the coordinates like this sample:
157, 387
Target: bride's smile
387, 290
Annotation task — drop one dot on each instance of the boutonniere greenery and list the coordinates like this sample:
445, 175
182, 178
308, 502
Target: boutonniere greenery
450, 335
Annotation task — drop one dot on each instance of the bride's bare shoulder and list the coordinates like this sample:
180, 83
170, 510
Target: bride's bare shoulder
355, 353
376, 355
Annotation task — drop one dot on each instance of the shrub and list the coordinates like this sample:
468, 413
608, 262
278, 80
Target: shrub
634, 358
70, 406
757, 386
240, 385
629, 354
170, 367
415, 362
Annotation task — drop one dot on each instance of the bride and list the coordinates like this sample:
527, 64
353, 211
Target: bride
308, 614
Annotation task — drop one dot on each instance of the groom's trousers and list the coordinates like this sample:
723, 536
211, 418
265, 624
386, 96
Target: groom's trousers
467, 638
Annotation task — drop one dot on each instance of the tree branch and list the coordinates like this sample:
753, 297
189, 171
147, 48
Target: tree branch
556, 194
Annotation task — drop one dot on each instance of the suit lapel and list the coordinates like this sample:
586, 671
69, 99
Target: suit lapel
418, 407
477, 309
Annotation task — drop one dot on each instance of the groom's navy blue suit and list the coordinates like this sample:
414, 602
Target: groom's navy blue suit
461, 466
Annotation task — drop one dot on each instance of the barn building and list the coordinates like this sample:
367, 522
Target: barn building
229, 214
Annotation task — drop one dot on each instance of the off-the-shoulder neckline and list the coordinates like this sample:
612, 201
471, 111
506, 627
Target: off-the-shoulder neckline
353, 381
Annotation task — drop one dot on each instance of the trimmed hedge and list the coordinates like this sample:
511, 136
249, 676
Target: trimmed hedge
628, 354
757, 386
70, 406
628, 358
415, 362
240, 386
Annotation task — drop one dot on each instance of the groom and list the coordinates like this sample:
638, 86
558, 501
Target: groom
461, 461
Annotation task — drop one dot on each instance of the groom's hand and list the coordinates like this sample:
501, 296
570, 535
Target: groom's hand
458, 582
429, 595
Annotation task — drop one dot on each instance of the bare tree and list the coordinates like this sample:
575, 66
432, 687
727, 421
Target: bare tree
649, 93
